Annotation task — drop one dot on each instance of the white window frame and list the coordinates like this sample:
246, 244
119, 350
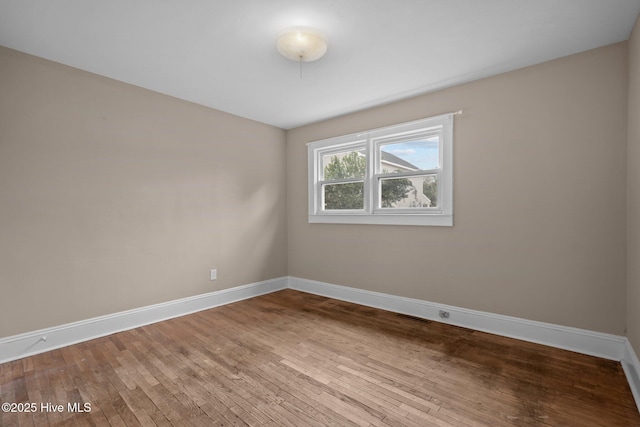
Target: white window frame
370, 141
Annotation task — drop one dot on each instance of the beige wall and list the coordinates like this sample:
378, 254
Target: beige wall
539, 199
113, 197
633, 193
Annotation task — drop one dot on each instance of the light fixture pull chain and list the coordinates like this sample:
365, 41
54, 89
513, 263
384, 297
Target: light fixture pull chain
300, 66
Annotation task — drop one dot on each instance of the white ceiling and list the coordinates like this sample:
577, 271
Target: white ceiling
221, 53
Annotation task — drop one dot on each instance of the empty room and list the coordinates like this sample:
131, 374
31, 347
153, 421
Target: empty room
314, 213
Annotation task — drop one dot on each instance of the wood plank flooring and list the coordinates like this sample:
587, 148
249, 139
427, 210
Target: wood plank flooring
294, 359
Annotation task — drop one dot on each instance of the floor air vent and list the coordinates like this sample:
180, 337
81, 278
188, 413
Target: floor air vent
416, 318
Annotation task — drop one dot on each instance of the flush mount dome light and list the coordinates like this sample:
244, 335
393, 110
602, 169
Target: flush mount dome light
303, 45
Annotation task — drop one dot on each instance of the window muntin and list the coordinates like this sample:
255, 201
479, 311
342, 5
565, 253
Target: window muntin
397, 175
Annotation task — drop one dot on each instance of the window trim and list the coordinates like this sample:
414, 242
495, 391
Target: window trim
371, 141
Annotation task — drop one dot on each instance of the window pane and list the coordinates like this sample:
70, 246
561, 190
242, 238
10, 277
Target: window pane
343, 196
410, 192
419, 154
350, 164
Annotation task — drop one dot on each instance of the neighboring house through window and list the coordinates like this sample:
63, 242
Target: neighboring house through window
401, 174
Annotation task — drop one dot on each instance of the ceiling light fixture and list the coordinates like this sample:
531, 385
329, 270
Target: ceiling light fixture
302, 45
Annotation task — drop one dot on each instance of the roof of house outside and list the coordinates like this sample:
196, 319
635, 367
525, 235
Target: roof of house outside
390, 158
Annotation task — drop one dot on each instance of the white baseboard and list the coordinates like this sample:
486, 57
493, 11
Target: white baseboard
579, 340
28, 344
631, 367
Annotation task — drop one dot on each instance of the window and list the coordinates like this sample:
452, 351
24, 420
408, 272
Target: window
400, 174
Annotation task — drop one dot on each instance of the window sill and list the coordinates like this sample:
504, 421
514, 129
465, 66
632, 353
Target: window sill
425, 220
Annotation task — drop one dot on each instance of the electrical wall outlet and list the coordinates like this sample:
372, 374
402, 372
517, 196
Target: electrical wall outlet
214, 274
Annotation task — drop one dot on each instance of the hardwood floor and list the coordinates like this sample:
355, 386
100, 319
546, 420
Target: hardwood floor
294, 359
